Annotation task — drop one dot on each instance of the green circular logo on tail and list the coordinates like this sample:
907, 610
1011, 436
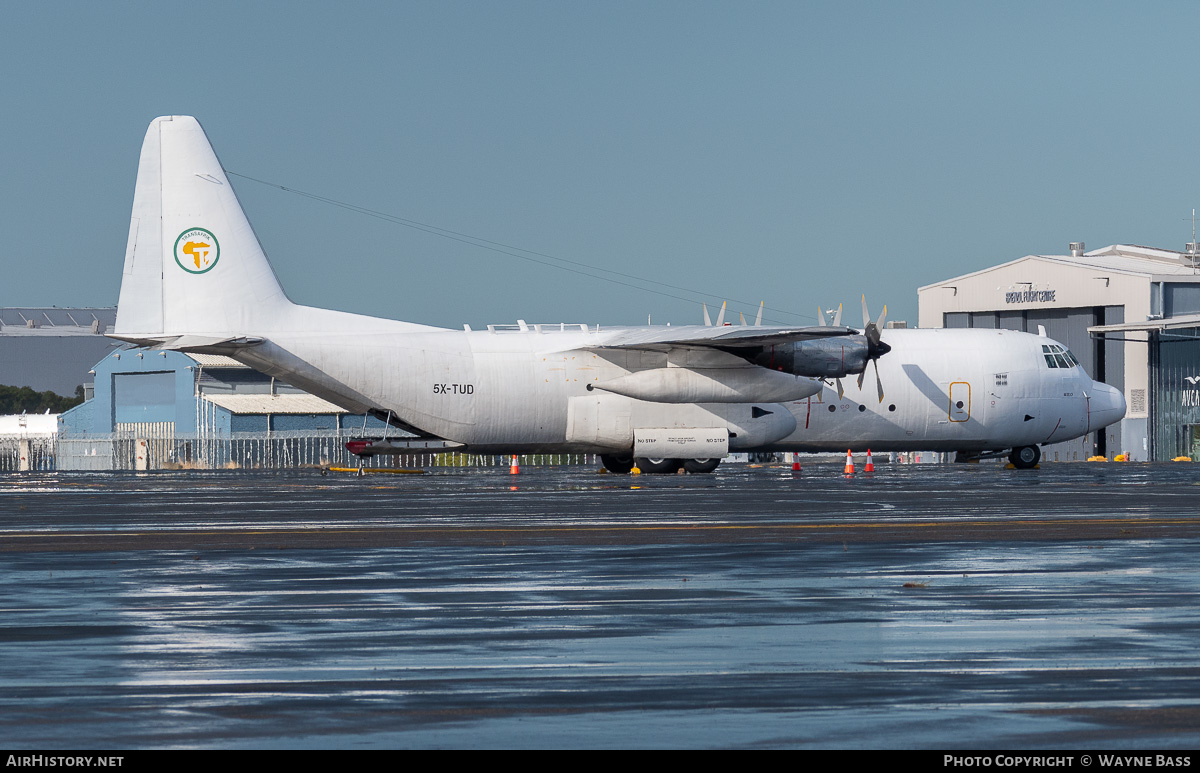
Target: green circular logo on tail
196, 250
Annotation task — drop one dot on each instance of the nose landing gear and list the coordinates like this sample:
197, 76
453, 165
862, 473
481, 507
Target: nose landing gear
1025, 457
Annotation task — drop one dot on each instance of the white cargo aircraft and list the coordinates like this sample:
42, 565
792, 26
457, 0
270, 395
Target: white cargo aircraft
197, 280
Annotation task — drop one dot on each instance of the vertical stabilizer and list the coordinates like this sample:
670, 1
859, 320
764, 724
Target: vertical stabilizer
192, 263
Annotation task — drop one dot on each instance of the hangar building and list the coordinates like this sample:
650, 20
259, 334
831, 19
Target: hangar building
51, 349
1131, 316
200, 410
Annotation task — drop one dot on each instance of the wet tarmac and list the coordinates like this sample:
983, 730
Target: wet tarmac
961, 606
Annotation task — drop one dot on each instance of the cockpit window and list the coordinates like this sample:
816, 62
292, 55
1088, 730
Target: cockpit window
1058, 356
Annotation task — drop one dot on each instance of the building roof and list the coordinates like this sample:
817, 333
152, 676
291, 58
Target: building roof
54, 321
1169, 323
29, 424
272, 404
1167, 265
216, 361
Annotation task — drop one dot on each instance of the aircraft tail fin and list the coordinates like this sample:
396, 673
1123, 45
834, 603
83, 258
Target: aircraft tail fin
193, 265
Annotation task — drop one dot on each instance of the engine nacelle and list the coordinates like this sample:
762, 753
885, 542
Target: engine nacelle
819, 358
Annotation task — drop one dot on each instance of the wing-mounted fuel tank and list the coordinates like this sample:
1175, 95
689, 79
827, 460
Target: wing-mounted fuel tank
710, 385
609, 421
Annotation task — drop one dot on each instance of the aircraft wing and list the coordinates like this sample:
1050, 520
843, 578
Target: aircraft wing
704, 337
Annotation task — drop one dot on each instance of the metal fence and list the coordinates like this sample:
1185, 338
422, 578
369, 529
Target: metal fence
276, 450
27, 453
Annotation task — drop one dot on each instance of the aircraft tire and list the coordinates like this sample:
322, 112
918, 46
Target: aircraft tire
1025, 457
616, 463
700, 466
659, 466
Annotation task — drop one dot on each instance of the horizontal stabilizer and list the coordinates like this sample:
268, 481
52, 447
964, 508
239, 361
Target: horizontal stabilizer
200, 344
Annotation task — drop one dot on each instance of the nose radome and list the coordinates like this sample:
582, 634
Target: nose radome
1107, 405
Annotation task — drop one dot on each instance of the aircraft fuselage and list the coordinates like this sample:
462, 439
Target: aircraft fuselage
527, 390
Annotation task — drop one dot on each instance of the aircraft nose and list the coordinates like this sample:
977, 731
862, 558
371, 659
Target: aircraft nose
1107, 405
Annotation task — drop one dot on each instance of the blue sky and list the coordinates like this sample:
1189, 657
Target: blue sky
791, 152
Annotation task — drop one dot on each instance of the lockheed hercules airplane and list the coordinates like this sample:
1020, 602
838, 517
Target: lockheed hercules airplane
197, 280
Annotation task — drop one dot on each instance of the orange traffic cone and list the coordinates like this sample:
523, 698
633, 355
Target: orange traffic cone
849, 463
515, 468
869, 466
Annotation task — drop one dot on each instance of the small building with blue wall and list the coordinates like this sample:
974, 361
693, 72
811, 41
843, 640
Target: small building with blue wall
205, 411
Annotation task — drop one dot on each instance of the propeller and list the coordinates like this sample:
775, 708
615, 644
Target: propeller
721, 316
876, 348
837, 321
837, 317
757, 320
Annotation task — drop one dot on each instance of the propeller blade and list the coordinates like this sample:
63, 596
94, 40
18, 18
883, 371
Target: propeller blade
861, 373
876, 348
721, 316
837, 317
820, 316
758, 319
871, 329
707, 321
841, 389
742, 317
878, 382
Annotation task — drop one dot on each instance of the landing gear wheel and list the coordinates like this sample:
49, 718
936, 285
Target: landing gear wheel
699, 466
1025, 457
616, 463
659, 466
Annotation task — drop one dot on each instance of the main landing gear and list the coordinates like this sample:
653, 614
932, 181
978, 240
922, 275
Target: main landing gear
622, 464
617, 463
660, 466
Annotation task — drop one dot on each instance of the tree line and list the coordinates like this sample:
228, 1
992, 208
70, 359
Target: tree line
26, 400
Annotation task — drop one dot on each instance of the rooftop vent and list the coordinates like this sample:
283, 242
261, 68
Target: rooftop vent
1076, 249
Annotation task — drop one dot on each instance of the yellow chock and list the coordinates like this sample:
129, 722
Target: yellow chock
1121, 458
1182, 459
635, 470
1100, 459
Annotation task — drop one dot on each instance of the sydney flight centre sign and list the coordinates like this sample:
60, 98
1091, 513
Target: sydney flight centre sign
1029, 295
